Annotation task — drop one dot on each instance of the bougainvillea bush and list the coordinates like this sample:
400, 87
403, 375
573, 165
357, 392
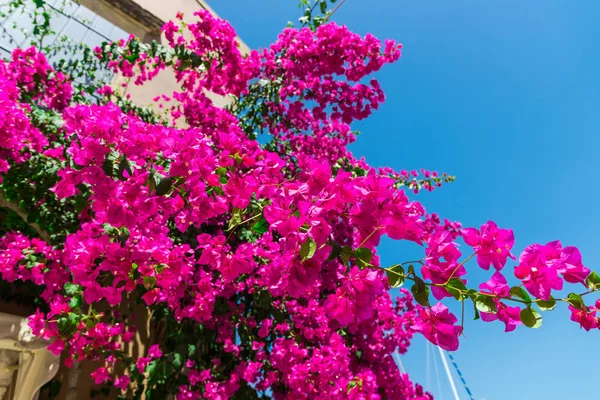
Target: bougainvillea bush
248, 232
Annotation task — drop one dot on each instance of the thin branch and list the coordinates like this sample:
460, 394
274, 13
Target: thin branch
458, 267
335, 9
369, 237
466, 292
233, 228
14, 207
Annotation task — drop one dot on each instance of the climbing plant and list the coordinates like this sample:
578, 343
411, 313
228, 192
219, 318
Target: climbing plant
249, 232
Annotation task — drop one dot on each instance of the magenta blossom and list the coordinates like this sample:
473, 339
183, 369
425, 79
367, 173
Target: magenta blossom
442, 262
584, 316
498, 286
57, 347
142, 363
571, 267
540, 265
491, 244
353, 301
100, 375
122, 382
437, 324
154, 351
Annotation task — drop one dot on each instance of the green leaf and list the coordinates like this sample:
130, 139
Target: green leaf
151, 368
68, 325
472, 293
420, 292
177, 361
164, 186
75, 302
351, 385
221, 171
307, 249
546, 305
476, 316
236, 218
575, 300
125, 165
363, 257
520, 293
149, 281
154, 179
457, 288
531, 318
346, 254
395, 275
110, 230
261, 226
71, 289
89, 323
336, 250
593, 280
191, 350
124, 234
108, 166
63, 325
486, 304
458, 284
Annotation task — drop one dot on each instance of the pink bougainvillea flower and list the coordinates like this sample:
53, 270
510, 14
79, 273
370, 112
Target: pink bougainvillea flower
57, 347
441, 262
100, 375
142, 363
36, 322
353, 301
571, 267
122, 382
154, 351
491, 244
437, 324
584, 316
540, 266
302, 276
510, 316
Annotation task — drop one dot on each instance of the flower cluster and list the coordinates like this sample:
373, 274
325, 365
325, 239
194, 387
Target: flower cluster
260, 259
26, 75
146, 181
307, 103
320, 96
37, 80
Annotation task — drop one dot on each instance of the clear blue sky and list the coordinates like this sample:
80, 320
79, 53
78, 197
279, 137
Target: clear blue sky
505, 95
